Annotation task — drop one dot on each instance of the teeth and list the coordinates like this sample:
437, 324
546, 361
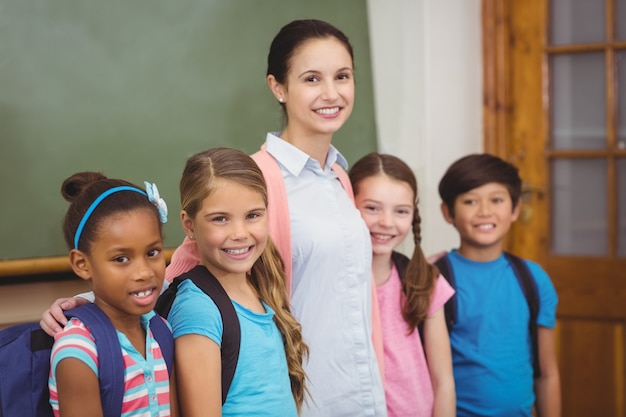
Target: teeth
332, 110
382, 237
143, 293
486, 226
237, 251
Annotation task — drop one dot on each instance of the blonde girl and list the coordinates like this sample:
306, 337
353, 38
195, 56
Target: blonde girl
224, 211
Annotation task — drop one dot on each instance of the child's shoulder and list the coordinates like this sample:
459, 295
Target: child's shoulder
189, 290
536, 270
75, 341
75, 328
192, 305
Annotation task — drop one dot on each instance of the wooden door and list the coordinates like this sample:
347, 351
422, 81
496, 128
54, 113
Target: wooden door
555, 105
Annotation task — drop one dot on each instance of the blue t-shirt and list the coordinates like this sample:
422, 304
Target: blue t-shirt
261, 384
491, 346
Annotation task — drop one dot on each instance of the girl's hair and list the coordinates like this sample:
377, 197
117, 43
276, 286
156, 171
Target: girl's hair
419, 279
267, 275
82, 190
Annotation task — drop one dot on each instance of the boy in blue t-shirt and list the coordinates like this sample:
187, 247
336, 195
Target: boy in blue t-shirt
491, 343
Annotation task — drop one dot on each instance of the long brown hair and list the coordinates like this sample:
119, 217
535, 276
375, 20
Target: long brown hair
418, 281
268, 274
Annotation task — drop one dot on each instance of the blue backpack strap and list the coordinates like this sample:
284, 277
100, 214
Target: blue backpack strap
231, 337
450, 308
110, 360
529, 288
163, 335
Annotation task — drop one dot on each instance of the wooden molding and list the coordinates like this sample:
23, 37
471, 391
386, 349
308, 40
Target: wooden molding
41, 266
496, 90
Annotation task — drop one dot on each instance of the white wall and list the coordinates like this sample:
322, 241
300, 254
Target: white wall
427, 72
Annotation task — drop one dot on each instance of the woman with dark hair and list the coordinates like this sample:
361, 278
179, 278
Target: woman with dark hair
319, 232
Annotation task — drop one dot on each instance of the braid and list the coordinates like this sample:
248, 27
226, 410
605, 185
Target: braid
417, 228
418, 280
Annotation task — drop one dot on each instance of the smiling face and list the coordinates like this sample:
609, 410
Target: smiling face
483, 217
125, 263
319, 90
230, 228
387, 206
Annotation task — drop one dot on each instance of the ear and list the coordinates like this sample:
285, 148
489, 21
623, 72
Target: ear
516, 210
276, 88
187, 223
80, 264
446, 213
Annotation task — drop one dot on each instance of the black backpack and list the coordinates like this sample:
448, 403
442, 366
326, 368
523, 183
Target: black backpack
25, 363
524, 278
231, 338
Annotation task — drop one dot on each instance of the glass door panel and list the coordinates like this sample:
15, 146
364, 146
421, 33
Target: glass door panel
620, 20
579, 207
576, 21
578, 101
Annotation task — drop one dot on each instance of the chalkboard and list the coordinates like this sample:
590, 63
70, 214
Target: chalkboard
132, 88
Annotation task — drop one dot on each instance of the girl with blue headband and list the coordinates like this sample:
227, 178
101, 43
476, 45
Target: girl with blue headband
113, 230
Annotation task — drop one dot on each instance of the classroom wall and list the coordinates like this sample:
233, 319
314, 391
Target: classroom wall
133, 88
427, 72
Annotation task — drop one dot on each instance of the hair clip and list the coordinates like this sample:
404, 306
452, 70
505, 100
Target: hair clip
155, 198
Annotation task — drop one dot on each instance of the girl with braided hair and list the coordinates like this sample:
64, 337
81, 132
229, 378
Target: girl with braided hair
411, 293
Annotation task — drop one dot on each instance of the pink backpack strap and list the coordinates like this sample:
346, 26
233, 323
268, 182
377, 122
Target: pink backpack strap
344, 179
185, 258
278, 209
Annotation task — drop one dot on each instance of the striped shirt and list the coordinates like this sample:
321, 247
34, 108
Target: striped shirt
146, 380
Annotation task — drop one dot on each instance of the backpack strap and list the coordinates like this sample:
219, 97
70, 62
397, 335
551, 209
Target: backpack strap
231, 337
402, 262
110, 360
451, 307
277, 209
529, 288
163, 335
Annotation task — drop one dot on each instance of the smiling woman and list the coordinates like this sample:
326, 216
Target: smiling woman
133, 90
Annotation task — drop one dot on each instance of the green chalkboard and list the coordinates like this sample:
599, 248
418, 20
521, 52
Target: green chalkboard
132, 88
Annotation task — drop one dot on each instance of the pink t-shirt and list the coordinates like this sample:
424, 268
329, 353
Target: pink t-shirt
408, 389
